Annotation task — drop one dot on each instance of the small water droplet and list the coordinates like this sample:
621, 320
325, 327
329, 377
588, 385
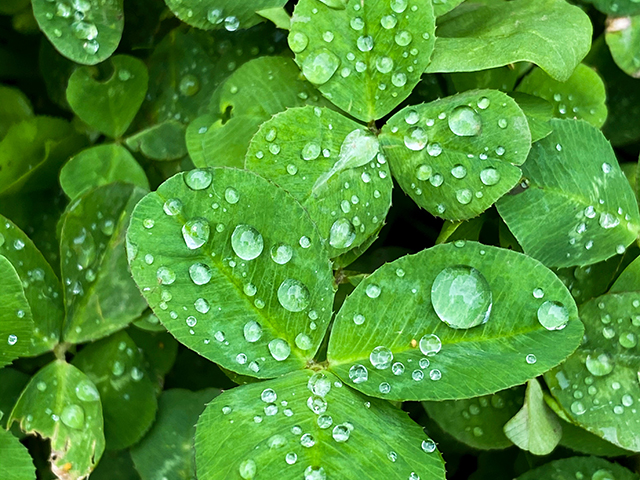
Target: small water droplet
553, 315
358, 373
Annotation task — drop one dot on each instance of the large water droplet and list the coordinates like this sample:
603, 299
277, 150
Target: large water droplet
279, 349
246, 242
189, 86
87, 392
200, 273
73, 416
172, 206
281, 253
490, 176
320, 65
310, 151
252, 331
196, 232
430, 344
314, 473
198, 179
342, 233
341, 433
381, 357
293, 295
465, 122
416, 140
319, 384
553, 315
599, 364
165, 276
358, 374
298, 41
461, 297
247, 469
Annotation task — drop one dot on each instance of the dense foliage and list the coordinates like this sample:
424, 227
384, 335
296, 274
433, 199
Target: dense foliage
319, 239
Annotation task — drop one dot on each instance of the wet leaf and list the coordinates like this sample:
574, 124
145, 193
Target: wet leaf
128, 395
212, 256
168, 447
456, 156
15, 461
582, 441
477, 37
60, 403
617, 7
159, 348
407, 350
109, 105
478, 422
588, 467
629, 279
100, 296
164, 141
33, 150
538, 112
13, 382
337, 173
598, 386
40, 288
14, 107
221, 14
623, 38
575, 182
499, 78
440, 7
86, 32
244, 101
535, 428
323, 427
101, 165
367, 57
581, 96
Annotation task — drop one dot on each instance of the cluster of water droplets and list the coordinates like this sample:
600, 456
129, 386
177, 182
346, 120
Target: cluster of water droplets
355, 212
476, 408
462, 121
392, 60
216, 16
76, 15
247, 244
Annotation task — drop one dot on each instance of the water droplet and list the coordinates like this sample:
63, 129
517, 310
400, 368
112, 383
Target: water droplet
279, 349
358, 319
459, 171
307, 441
417, 375
305, 242
73, 416
298, 41
310, 151
628, 339
489, 176
416, 140
165, 276
435, 374
430, 344
231, 195
198, 179
461, 297
320, 65
247, 469
384, 64
428, 446
399, 79
341, 433
247, 242
200, 273
281, 253
314, 473
342, 233
189, 86
465, 122
381, 357
578, 407
201, 305
531, 359
398, 6
608, 221
358, 374
231, 23
252, 331
293, 295
372, 290
599, 364
291, 458
172, 206
317, 404
365, 43
196, 233
538, 293
553, 315
397, 368
87, 392
403, 38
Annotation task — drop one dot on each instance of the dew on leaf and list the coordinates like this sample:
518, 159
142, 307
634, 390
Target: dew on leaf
247, 242
430, 344
73, 416
247, 469
198, 179
599, 364
320, 65
342, 233
341, 433
381, 357
200, 273
281, 253
196, 233
293, 295
464, 122
358, 373
252, 331
279, 349
553, 315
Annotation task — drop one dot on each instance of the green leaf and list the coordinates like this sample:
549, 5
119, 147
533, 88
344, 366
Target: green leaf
101, 165
535, 428
115, 464
217, 14
470, 361
223, 256
538, 112
278, 15
40, 287
500, 78
128, 395
14, 107
249, 429
160, 349
87, 32
109, 105
478, 422
588, 467
623, 38
582, 441
168, 447
477, 37
617, 8
623, 96
32, 152
332, 166
16, 320
61, 404
164, 141
599, 384
13, 382
440, 7
15, 461
99, 293
575, 182
629, 279
244, 101
581, 96
456, 156
365, 58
